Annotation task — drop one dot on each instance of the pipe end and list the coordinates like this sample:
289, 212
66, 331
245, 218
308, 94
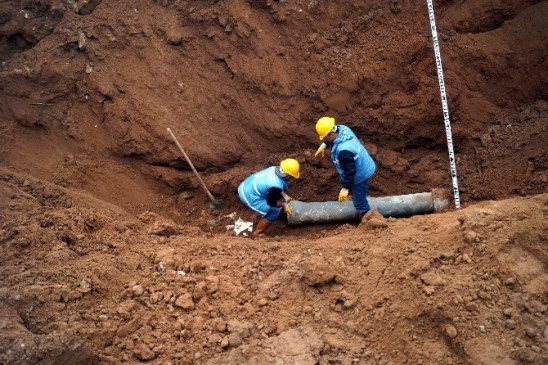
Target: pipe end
440, 198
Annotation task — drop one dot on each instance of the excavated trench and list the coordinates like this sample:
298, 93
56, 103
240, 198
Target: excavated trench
95, 195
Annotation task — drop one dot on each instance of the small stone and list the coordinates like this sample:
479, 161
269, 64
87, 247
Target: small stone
82, 41
65, 293
221, 327
137, 290
535, 307
510, 324
85, 287
471, 307
159, 350
470, 236
142, 352
234, 339
432, 279
350, 301
156, 297
199, 292
447, 255
175, 36
451, 331
185, 302
197, 266
177, 326
185, 195
531, 332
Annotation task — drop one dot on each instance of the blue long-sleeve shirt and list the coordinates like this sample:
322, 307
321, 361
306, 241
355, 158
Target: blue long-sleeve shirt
351, 159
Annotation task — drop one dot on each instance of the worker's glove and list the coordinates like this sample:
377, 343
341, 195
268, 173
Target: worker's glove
287, 209
321, 150
343, 195
287, 198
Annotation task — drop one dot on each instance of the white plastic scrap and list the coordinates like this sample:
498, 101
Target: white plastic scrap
242, 227
239, 225
232, 216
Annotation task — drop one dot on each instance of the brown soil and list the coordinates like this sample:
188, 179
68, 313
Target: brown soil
110, 253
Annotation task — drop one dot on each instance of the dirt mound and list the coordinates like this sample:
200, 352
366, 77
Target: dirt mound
444, 287
110, 253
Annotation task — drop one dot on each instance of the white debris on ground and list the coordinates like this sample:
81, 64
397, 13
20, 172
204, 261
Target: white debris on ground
243, 227
240, 227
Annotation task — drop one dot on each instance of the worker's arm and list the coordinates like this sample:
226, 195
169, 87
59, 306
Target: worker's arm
321, 150
274, 196
278, 198
348, 165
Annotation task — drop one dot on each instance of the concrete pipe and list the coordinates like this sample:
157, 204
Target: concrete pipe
390, 206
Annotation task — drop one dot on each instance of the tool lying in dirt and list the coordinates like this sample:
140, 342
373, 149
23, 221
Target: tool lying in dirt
390, 206
215, 203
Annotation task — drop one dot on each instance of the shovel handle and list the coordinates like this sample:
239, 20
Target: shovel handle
191, 165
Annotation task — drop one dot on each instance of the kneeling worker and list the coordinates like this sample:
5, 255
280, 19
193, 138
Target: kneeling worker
264, 192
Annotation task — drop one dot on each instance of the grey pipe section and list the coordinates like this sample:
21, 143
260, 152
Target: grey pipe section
390, 206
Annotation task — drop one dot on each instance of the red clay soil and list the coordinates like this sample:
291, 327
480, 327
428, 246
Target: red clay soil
109, 253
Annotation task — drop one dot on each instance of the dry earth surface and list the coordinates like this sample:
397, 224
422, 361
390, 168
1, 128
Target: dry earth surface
109, 253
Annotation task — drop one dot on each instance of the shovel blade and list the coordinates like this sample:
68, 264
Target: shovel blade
216, 204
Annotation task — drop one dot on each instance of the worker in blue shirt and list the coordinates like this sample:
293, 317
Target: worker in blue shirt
352, 161
264, 192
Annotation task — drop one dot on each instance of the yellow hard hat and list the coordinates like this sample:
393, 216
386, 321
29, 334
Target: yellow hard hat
291, 167
324, 125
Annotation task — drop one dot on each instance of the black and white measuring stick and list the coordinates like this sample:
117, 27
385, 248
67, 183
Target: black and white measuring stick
444, 104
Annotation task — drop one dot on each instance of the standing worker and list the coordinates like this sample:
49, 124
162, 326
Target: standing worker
264, 192
352, 161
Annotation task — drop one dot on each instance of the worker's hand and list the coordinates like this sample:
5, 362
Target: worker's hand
287, 209
287, 198
321, 150
343, 195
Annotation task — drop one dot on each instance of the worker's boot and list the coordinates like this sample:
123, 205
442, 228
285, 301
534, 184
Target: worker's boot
262, 226
254, 218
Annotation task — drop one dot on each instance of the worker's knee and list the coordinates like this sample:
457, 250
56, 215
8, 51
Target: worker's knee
273, 214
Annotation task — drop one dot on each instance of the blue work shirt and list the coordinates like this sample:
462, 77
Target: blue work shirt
253, 191
364, 165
